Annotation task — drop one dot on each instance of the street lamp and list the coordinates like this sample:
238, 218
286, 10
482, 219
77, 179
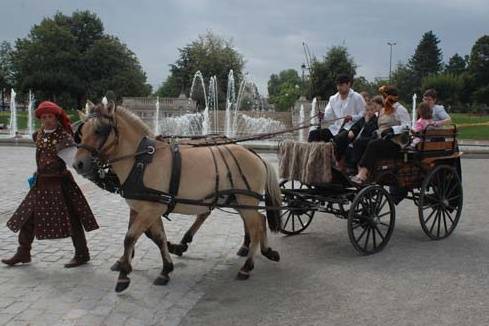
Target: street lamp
390, 44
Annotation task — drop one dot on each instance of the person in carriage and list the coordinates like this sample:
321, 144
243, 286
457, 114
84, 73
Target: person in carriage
350, 144
392, 122
55, 206
438, 112
344, 109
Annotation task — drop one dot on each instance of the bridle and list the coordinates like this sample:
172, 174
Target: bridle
99, 153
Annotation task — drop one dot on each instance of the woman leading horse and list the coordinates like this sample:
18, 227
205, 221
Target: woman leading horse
114, 135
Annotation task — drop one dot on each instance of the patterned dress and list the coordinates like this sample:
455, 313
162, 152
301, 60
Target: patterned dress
55, 195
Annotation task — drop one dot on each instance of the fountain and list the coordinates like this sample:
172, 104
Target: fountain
301, 122
230, 101
313, 113
157, 117
13, 114
30, 108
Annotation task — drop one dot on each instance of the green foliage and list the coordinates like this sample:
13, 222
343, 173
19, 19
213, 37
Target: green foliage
479, 69
6, 69
70, 58
427, 58
361, 84
456, 65
284, 89
323, 73
406, 82
448, 86
169, 88
212, 55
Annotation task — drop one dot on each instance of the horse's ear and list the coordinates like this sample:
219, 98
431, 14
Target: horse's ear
81, 115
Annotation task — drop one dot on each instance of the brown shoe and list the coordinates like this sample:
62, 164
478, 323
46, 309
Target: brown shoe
78, 260
21, 256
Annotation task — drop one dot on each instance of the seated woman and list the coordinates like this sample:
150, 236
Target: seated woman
360, 132
393, 119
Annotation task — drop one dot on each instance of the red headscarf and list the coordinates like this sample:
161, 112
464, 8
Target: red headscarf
53, 108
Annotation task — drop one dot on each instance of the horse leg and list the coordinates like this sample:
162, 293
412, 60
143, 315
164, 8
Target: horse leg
140, 224
253, 224
265, 249
179, 249
245, 247
158, 236
116, 267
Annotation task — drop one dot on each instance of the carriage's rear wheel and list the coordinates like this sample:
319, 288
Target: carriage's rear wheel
298, 218
371, 220
440, 202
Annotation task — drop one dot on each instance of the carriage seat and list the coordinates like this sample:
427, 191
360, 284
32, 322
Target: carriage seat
435, 142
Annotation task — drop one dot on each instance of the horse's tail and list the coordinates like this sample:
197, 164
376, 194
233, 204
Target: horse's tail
273, 197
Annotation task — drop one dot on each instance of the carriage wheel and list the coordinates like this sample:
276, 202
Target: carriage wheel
297, 220
371, 220
440, 202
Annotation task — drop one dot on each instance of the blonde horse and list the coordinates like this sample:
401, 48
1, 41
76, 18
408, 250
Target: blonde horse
113, 134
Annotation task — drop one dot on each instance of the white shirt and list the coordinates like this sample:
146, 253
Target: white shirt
353, 105
402, 115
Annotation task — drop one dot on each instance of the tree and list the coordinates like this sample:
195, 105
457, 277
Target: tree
70, 58
323, 73
284, 89
6, 70
479, 69
427, 58
361, 84
456, 65
212, 55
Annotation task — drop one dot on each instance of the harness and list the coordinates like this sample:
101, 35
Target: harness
134, 188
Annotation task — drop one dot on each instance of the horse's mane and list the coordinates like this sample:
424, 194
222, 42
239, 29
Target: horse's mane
134, 120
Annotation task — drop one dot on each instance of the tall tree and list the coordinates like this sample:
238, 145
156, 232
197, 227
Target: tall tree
323, 73
212, 55
6, 70
479, 69
456, 65
68, 58
406, 82
427, 58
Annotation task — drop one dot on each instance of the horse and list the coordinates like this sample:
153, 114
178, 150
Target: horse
112, 135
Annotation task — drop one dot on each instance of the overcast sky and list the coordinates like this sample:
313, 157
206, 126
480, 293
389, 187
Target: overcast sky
269, 33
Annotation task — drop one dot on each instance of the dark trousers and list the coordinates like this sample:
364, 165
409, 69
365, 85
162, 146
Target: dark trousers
379, 149
320, 135
26, 235
359, 147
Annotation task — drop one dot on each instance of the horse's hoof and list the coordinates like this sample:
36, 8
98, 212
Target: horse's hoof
242, 276
178, 249
116, 267
122, 284
272, 255
243, 252
162, 280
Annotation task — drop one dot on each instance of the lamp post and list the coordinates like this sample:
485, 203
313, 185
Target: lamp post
390, 44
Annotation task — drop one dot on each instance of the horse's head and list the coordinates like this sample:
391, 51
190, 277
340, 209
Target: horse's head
96, 137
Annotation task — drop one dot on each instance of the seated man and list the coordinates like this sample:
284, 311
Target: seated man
438, 112
345, 107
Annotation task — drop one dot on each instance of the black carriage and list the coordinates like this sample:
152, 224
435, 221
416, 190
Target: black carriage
429, 175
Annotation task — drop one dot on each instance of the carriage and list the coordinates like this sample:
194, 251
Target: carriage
429, 175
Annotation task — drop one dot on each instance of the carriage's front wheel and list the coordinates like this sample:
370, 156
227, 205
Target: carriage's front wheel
299, 215
371, 220
440, 202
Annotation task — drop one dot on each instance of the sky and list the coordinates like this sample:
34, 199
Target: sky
270, 33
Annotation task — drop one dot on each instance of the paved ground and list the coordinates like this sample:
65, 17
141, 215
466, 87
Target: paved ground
320, 280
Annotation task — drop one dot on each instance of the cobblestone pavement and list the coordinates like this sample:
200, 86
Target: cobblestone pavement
45, 293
